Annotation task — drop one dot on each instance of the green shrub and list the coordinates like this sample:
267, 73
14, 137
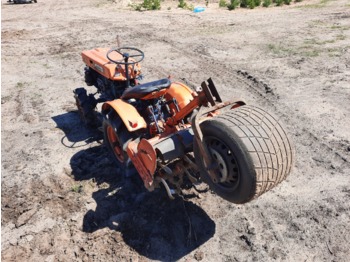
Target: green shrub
182, 4
257, 2
244, 3
222, 3
151, 4
190, 7
278, 2
147, 5
266, 3
250, 3
298, 0
287, 2
233, 4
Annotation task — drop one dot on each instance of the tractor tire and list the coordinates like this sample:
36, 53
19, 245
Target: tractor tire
116, 139
251, 150
90, 76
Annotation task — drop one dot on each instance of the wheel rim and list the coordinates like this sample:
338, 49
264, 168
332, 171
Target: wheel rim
115, 144
227, 167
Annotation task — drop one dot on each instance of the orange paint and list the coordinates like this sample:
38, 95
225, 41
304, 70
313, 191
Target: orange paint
98, 61
148, 155
182, 93
146, 176
129, 115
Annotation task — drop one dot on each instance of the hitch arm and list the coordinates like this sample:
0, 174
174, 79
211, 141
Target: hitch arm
205, 153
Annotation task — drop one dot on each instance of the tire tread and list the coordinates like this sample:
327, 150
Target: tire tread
267, 143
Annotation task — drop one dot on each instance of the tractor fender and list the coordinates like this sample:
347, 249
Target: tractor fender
127, 113
182, 93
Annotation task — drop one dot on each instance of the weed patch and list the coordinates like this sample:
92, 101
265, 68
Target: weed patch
147, 5
77, 188
233, 4
222, 3
21, 85
182, 4
267, 3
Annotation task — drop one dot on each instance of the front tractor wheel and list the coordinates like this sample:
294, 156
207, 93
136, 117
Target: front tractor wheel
251, 152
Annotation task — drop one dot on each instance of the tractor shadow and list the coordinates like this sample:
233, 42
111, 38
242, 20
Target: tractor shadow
150, 223
76, 134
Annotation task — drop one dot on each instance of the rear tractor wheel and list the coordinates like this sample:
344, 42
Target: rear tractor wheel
251, 150
116, 138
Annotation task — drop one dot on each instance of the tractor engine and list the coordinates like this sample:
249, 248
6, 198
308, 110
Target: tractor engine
156, 115
109, 89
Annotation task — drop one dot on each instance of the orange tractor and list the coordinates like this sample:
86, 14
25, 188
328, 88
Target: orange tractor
174, 135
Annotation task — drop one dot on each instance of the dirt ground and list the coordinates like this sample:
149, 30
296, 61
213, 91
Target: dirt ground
61, 196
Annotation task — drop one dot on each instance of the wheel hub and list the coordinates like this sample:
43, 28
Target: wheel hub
227, 166
222, 168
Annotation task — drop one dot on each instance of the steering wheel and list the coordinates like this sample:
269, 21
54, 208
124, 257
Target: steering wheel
126, 52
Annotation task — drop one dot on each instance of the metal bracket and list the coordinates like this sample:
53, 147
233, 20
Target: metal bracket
208, 161
211, 92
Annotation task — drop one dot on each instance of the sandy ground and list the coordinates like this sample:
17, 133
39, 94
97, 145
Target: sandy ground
61, 196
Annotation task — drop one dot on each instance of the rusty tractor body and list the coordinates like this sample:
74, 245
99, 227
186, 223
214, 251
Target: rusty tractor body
171, 134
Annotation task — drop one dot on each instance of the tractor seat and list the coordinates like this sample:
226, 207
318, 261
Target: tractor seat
140, 91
